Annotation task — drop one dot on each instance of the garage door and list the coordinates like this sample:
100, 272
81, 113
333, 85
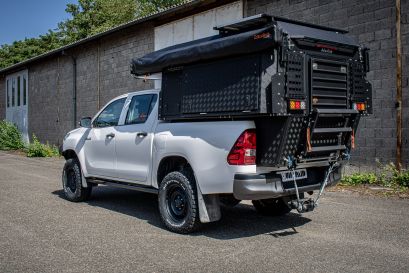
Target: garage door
196, 26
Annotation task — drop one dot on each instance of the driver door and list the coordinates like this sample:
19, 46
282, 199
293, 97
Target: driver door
100, 144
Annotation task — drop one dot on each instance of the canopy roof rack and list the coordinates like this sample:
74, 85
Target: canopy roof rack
248, 23
261, 20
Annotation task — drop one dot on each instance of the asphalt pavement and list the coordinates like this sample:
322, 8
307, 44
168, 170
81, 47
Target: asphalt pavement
119, 230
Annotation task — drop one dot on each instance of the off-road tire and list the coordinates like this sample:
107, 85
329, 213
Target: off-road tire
72, 182
178, 205
271, 207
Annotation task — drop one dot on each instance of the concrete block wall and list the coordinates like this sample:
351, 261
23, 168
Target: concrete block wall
49, 99
372, 23
116, 52
51, 81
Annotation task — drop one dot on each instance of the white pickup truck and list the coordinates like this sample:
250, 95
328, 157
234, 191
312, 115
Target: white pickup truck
192, 166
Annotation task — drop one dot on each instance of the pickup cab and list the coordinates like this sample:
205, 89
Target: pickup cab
193, 166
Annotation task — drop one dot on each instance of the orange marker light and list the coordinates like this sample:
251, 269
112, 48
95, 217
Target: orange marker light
297, 105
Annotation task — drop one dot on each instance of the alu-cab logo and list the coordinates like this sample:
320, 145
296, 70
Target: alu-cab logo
264, 35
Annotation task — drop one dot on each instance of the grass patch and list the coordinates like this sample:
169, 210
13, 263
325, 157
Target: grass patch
37, 149
389, 176
11, 139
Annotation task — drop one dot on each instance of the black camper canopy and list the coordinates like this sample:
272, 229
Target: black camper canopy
252, 34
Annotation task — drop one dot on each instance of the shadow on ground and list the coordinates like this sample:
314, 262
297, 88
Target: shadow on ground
238, 222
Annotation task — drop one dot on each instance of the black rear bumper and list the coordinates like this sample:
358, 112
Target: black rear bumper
264, 186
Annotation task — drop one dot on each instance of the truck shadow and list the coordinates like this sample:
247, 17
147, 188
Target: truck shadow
238, 222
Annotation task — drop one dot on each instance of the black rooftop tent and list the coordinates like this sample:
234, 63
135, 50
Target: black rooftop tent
250, 35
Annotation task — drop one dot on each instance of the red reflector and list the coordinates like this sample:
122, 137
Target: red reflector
297, 105
244, 150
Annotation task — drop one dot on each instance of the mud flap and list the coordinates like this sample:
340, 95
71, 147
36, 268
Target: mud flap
83, 180
209, 207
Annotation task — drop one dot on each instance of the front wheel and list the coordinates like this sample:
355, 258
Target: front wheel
271, 207
178, 202
72, 182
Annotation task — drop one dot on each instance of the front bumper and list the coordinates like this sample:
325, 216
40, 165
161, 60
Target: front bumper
265, 186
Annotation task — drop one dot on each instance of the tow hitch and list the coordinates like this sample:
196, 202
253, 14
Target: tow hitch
307, 205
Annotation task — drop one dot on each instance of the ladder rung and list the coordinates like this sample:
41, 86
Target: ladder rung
336, 111
328, 148
331, 130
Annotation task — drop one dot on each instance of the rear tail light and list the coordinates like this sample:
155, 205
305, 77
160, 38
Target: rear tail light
360, 106
297, 105
244, 150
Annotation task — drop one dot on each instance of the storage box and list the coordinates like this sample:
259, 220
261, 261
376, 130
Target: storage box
229, 87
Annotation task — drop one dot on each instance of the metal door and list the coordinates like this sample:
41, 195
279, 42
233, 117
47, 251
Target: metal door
17, 101
133, 145
99, 146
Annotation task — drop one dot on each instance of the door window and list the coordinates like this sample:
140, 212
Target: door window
110, 115
140, 108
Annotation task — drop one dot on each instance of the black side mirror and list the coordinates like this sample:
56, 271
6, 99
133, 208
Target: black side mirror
85, 122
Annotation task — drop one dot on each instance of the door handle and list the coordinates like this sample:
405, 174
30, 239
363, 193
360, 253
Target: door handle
110, 135
142, 134
88, 138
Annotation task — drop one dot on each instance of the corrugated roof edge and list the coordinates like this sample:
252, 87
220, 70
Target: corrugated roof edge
139, 20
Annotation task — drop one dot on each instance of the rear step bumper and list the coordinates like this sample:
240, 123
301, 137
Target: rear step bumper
264, 186
331, 132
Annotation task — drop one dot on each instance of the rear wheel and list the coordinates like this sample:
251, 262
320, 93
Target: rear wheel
178, 202
271, 207
72, 182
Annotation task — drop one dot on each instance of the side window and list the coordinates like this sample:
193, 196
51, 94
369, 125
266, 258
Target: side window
18, 91
140, 108
13, 93
24, 90
8, 93
110, 115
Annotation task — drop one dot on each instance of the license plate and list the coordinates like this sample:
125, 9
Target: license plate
288, 175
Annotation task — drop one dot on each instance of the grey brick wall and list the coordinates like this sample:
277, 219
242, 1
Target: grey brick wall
51, 81
48, 99
372, 23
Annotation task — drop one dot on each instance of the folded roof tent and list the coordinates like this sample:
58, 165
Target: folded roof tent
252, 34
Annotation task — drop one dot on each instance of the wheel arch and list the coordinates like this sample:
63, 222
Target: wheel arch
67, 154
172, 163
209, 207
71, 154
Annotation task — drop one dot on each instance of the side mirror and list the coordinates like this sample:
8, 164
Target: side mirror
85, 122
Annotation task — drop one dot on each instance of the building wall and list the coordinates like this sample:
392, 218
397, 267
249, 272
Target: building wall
103, 72
372, 23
